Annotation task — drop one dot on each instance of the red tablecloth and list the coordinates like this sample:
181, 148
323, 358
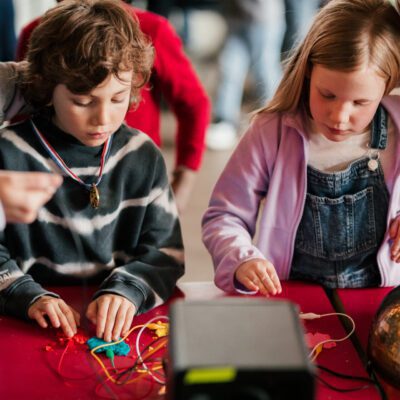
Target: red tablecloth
30, 355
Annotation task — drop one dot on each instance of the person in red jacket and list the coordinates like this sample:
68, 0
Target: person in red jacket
174, 79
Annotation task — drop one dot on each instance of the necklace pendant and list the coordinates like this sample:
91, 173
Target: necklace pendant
94, 196
373, 164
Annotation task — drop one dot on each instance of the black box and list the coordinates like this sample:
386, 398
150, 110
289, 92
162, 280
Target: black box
237, 349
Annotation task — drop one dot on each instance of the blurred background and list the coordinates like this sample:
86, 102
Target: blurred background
236, 48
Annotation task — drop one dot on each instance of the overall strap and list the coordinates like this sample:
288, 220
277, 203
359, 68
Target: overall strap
379, 129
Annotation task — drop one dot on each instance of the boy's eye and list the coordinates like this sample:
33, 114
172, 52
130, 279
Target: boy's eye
81, 103
119, 100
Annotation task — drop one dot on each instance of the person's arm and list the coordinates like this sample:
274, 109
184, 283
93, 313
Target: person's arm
185, 95
229, 223
23, 193
150, 277
11, 100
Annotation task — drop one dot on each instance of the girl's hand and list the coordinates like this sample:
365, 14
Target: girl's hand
394, 233
112, 314
59, 313
259, 275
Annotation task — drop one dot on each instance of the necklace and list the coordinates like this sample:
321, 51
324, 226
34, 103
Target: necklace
94, 194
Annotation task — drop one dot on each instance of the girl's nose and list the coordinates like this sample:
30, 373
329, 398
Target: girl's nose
340, 115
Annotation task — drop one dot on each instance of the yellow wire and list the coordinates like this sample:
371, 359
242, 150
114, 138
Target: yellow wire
104, 368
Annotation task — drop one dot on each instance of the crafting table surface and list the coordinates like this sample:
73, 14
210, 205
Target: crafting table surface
30, 356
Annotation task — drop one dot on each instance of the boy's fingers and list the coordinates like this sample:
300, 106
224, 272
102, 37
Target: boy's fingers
69, 317
128, 320
110, 321
39, 318
52, 314
101, 317
91, 313
65, 324
119, 321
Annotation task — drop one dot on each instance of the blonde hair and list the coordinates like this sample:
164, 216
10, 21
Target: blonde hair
345, 35
79, 43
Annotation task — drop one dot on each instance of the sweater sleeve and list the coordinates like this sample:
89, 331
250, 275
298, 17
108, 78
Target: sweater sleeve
150, 277
229, 224
17, 290
178, 82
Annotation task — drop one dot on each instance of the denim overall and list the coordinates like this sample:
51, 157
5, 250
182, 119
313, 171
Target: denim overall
344, 221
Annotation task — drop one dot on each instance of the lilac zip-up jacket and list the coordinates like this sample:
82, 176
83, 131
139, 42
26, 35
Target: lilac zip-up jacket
270, 163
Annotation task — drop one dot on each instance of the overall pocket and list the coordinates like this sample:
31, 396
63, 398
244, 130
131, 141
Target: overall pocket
336, 229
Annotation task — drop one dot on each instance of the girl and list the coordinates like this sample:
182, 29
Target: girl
86, 62
324, 155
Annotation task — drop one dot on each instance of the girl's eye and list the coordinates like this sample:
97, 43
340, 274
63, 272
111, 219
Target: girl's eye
327, 96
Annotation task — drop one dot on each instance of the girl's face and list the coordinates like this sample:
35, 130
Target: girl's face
93, 117
342, 104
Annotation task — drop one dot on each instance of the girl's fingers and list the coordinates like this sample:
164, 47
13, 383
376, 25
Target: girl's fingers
267, 283
394, 227
250, 284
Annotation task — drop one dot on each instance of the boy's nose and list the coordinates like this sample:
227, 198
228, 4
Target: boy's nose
101, 116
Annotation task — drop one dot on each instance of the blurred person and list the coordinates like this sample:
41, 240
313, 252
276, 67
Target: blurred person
7, 31
298, 18
253, 44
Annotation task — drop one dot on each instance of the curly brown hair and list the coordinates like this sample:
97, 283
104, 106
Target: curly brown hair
79, 43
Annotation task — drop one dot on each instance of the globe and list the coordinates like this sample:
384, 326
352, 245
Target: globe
384, 339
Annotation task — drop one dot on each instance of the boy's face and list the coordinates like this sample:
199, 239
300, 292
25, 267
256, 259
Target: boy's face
342, 104
93, 117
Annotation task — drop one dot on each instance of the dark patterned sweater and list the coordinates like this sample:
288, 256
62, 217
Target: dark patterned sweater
131, 244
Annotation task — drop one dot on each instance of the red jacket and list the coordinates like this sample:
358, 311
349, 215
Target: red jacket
174, 78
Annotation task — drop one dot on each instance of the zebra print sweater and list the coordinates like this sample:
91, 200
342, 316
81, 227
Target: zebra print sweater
131, 245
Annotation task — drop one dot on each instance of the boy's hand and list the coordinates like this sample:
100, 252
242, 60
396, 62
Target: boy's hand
112, 314
394, 233
23, 193
60, 314
259, 275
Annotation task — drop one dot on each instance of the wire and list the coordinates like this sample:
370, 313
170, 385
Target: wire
318, 347
162, 382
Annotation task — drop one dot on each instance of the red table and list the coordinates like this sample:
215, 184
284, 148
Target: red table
29, 354
361, 305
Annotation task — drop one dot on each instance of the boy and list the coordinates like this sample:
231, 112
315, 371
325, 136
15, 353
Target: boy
86, 61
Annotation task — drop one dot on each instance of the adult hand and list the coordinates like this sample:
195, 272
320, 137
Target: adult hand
60, 314
259, 275
112, 314
182, 185
23, 193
